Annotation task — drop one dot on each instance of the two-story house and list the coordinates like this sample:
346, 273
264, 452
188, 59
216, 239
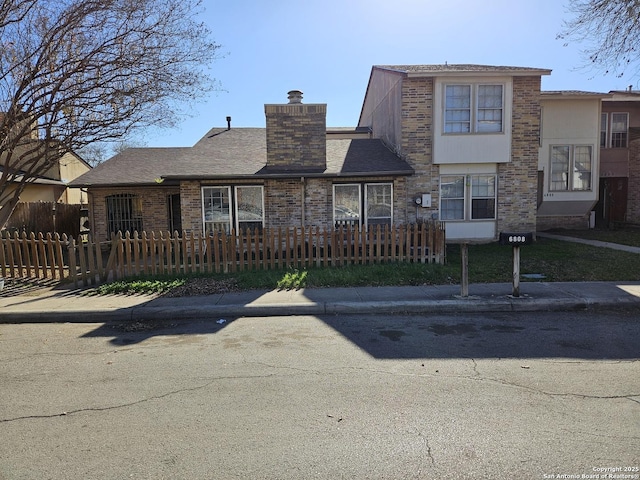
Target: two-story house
619, 159
471, 133
568, 162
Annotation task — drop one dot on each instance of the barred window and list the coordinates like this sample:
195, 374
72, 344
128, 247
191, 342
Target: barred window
124, 213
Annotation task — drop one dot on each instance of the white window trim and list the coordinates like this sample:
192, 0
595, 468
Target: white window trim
333, 202
366, 200
473, 121
606, 129
611, 132
468, 197
572, 149
232, 192
362, 201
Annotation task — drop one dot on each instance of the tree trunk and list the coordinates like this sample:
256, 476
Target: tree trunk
7, 209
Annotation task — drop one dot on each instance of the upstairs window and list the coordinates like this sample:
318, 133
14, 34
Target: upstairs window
619, 130
604, 129
473, 108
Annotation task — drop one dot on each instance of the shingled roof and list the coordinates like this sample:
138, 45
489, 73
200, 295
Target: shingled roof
236, 153
432, 70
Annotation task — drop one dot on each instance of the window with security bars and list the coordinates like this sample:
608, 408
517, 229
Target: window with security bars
124, 213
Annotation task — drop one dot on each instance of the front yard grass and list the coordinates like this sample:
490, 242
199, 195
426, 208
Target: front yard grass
551, 260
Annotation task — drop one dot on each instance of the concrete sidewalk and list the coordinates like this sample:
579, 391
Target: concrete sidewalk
72, 306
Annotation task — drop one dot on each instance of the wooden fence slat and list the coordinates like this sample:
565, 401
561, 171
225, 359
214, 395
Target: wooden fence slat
291, 247
42, 254
58, 242
35, 261
18, 252
3, 262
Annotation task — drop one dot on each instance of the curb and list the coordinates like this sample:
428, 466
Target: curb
428, 307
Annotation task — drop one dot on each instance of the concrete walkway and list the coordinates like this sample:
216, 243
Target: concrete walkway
60, 305
70, 306
594, 243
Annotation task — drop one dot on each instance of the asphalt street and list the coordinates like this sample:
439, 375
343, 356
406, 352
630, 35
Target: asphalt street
451, 396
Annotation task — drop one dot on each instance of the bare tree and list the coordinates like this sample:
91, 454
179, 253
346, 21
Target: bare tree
610, 29
76, 72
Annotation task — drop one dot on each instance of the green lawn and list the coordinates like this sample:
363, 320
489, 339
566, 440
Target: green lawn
626, 236
557, 261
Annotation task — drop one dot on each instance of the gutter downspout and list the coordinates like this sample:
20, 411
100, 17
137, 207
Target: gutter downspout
302, 194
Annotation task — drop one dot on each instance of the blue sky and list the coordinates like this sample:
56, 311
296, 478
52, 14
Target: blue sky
326, 48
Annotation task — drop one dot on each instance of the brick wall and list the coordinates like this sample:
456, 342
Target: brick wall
576, 222
154, 208
283, 203
633, 195
296, 136
517, 180
416, 147
191, 206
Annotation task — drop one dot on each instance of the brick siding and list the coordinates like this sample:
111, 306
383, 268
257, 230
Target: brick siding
416, 147
518, 180
154, 208
633, 189
296, 136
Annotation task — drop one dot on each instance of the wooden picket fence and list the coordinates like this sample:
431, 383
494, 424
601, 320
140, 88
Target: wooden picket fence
86, 263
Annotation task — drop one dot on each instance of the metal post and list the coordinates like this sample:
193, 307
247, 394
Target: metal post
464, 282
516, 271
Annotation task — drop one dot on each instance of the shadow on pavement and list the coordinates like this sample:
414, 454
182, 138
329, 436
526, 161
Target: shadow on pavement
576, 335
547, 335
132, 332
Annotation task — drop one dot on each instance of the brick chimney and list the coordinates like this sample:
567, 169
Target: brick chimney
296, 135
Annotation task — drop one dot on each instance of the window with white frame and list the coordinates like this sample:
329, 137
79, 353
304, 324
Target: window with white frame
239, 207
571, 167
604, 129
467, 197
374, 199
475, 108
619, 130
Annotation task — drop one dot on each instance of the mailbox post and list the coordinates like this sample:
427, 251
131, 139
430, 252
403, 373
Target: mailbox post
516, 240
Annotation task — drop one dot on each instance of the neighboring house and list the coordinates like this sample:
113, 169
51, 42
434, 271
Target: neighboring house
568, 163
619, 159
294, 172
52, 186
471, 133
